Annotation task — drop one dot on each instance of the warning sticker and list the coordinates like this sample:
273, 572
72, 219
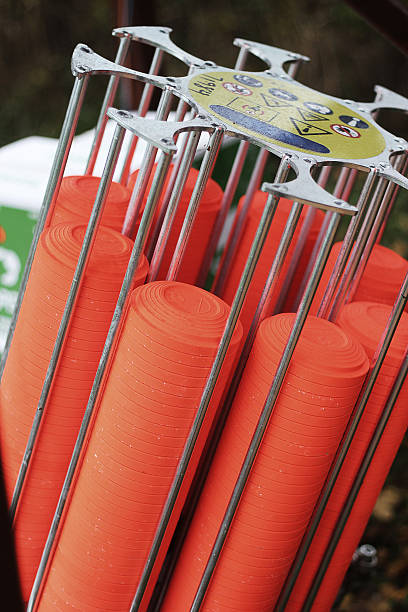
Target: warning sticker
238, 89
308, 129
345, 130
285, 113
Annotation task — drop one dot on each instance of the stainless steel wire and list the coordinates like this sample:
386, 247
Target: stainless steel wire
369, 454
167, 224
141, 111
107, 102
238, 226
142, 180
344, 447
51, 192
267, 410
206, 168
340, 295
148, 213
66, 317
347, 245
246, 277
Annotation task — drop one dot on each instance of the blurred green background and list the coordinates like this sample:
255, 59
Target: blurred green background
348, 57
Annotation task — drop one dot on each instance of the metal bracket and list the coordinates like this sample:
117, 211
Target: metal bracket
86, 62
273, 57
160, 37
160, 134
305, 190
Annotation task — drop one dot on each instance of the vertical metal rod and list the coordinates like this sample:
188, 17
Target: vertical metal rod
341, 182
171, 211
51, 192
386, 203
202, 179
246, 278
294, 261
238, 226
267, 410
347, 245
227, 198
365, 464
344, 446
107, 102
228, 194
141, 111
348, 187
151, 244
293, 68
241, 59
401, 165
142, 180
300, 243
262, 308
80, 269
361, 240
138, 248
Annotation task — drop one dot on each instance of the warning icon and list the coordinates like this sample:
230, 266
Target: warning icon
307, 115
308, 129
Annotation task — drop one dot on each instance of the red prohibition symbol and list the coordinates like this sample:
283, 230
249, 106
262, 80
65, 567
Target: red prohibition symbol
345, 130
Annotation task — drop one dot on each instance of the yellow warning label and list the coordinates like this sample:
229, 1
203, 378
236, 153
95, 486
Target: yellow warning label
286, 113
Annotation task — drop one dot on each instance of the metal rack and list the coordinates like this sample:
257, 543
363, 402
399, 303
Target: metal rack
204, 105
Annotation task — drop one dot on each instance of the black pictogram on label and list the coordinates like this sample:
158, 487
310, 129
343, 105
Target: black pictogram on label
354, 122
316, 107
274, 102
309, 116
282, 93
245, 79
308, 129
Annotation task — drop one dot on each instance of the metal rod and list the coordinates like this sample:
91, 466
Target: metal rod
261, 310
137, 251
300, 244
51, 192
141, 111
209, 453
267, 410
241, 59
348, 187
365, 464
347, 245
142, 180
246, 278
83, 259
294, 261
202, 179
341, 182
151, 244
107, 102
227, 198
228, 194
166, 226
343, 449
361, 240
371, 241
293, 68
400, 165
238, 226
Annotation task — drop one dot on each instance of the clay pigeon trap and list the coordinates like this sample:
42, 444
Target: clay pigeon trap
202, 394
